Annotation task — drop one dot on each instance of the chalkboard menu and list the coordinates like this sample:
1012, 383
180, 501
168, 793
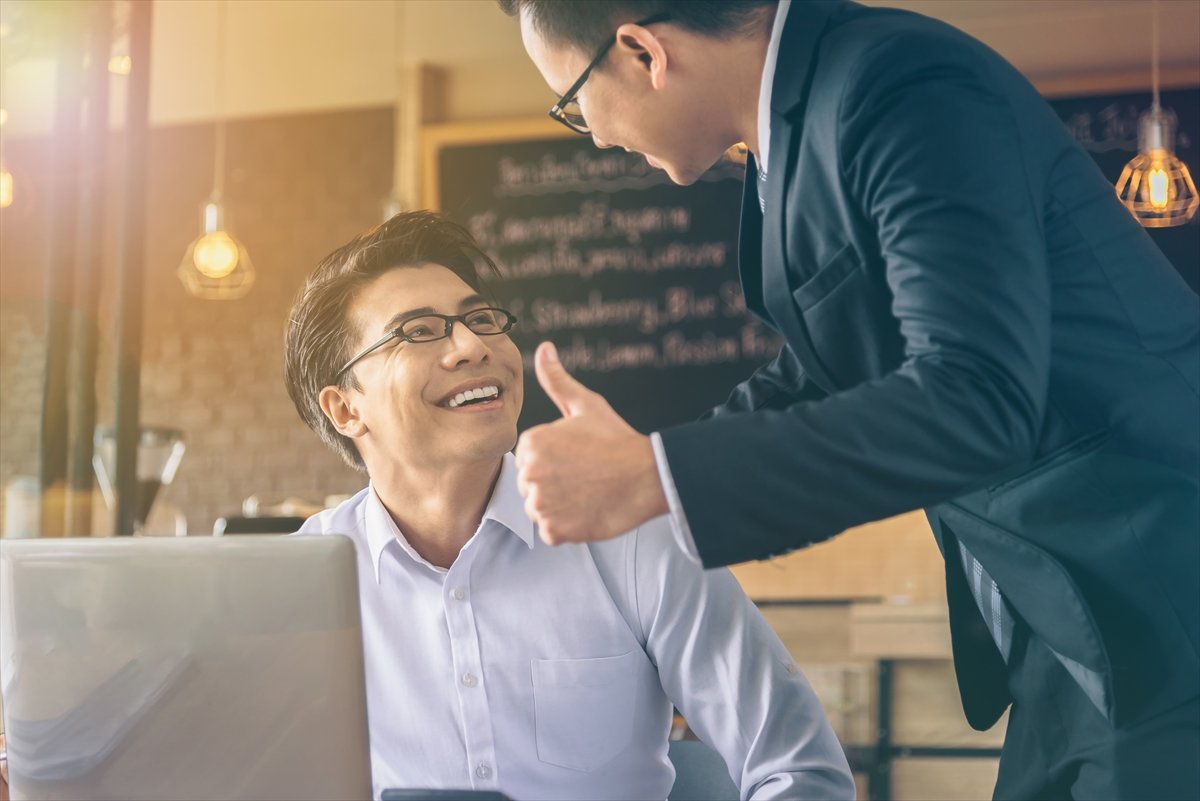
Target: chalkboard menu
1107, 127
632, 277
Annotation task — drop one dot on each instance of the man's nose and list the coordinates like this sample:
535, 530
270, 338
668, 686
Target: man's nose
465, 345
600, 142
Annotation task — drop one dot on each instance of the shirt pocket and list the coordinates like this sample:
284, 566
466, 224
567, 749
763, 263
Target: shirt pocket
584, 709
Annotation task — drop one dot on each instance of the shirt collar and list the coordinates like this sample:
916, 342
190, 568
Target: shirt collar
787, 71
768, 81
506, 507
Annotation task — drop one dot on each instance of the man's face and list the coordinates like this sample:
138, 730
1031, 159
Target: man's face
668, 123
407, 403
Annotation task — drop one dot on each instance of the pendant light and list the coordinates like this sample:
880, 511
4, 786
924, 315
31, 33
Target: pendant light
396, 201
216, 266
1155, 185
6, 179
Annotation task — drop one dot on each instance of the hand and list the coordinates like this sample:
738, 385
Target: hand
588, 476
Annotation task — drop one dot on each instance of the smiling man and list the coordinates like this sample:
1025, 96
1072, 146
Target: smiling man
494, 661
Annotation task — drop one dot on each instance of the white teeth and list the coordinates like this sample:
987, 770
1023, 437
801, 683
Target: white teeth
473, 394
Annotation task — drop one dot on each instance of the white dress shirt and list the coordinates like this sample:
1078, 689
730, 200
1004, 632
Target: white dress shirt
678, 520
550, 672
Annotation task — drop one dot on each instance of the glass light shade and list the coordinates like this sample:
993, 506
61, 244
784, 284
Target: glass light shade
216, 266
1155, 185
159, 452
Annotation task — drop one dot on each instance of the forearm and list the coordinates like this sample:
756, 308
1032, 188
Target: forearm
730, 676
918, 436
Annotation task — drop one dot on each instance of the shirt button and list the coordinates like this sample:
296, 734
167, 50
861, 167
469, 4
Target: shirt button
458, 593
484, 771
469, 679
793, 667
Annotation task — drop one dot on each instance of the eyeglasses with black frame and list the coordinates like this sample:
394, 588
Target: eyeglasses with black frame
567, 110
486, 321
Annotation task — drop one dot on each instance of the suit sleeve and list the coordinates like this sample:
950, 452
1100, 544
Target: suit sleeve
776, 385
725, 669
933, 158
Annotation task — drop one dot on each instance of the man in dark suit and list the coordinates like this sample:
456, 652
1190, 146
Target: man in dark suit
974, 325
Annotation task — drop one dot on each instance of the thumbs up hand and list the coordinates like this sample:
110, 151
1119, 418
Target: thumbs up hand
572, 398
588, 476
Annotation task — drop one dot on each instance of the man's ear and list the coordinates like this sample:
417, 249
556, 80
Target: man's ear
640, 44
339, 407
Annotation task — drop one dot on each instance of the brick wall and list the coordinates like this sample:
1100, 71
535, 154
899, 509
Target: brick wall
296, 187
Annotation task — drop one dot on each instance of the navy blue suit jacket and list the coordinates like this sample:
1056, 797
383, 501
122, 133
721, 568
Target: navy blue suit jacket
975, 326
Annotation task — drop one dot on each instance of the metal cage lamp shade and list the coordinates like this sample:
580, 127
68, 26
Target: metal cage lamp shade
1155, 185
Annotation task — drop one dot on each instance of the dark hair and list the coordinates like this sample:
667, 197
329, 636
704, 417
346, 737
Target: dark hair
588, 23
318, 338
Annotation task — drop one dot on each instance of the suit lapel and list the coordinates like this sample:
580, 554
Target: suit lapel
805, 23
776, 286
750, 253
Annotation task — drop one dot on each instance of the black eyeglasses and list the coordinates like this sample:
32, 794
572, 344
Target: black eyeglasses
567, 110
485, 322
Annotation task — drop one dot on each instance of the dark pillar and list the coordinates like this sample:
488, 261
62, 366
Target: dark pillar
62, 203
84, 329
130, 258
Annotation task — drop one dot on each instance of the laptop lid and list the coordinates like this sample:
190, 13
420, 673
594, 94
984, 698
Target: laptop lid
165, 668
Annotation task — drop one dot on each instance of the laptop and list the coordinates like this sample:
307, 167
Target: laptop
164, 668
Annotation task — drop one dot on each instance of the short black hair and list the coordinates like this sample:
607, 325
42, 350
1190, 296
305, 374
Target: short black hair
319, 336
587, 24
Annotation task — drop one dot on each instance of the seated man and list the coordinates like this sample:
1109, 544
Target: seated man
494, 661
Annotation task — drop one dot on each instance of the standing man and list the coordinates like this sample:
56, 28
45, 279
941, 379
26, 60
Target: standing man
974, 325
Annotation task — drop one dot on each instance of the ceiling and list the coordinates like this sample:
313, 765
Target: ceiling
297, 56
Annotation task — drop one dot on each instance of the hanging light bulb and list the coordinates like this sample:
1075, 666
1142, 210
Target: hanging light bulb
214, 254
6, 179
120, 65
216, 266
119, 60
6, 188
1155, 185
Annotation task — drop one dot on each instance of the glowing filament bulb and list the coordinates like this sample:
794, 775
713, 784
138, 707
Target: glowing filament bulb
1159, 185
216, 255
120, 65
6, 189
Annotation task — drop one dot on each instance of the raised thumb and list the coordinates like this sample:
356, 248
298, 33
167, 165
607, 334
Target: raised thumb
568, 395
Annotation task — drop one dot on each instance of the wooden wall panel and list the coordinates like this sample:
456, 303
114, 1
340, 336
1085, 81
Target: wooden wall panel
895, 559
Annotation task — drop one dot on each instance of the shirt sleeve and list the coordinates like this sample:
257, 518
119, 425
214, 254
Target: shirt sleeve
724, 668
679, 524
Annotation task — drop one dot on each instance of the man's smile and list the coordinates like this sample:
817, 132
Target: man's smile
479, 394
